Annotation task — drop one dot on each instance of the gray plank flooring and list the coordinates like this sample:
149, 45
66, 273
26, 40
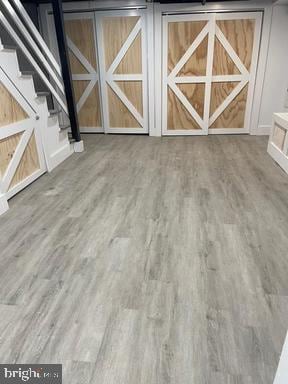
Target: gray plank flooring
150, 261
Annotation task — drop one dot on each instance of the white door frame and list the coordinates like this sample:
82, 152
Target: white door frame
211, 30
108, 78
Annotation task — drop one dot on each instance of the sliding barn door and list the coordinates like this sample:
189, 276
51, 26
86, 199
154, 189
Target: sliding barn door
81, 40
186, 39
209, 66
21, 151
236, 46
122, 56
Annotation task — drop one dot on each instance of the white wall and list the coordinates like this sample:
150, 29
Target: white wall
276, 77
282, 371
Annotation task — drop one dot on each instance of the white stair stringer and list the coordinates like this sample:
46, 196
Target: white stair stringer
55, 142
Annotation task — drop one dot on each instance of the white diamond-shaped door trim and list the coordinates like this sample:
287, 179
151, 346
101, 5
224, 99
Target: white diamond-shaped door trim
227, 82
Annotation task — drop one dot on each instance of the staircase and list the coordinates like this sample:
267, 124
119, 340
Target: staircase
34, 140
26, 70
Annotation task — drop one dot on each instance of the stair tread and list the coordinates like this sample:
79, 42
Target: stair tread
54, 112
42, 93
64, 126
9, 46
27, 73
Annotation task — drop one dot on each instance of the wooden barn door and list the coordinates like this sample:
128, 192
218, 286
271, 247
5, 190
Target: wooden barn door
209, 67
186, 68
236, 47
82, 44
122, 59
21, 151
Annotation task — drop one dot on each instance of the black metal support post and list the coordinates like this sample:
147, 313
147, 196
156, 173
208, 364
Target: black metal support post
66, 71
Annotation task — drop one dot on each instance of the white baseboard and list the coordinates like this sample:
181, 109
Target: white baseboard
263, 130
3, 204
282, 371
59, 156
91, 130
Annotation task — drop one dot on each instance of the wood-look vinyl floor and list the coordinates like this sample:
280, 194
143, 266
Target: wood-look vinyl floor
150, 261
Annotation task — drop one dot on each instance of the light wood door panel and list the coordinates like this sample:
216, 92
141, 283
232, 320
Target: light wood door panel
197, 63
235, 55
240, 34
134, 92
28, 164
81, 32
8, 147
132, 60
120, 116
82, 44
122, 54
209, 66
185, 108
88, 115
178, 116
233, 115
222, 62
219, 92
116, 31
180, 37
10, 111
77, 67
195, 94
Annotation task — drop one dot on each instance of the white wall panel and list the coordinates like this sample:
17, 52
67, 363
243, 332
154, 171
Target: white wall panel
276, 77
